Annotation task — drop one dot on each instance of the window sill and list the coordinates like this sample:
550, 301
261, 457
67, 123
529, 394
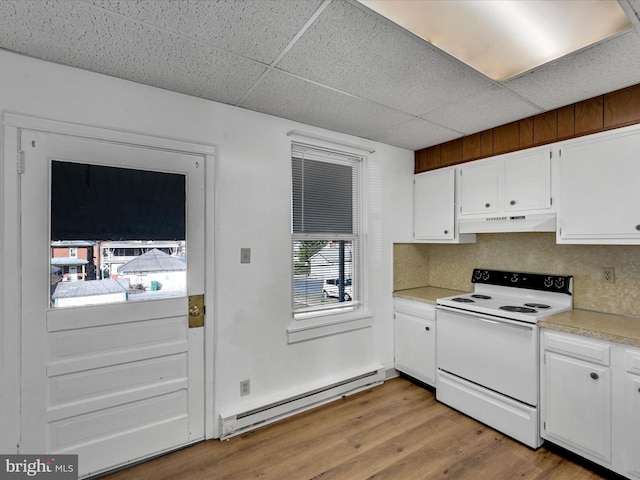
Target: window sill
301, 330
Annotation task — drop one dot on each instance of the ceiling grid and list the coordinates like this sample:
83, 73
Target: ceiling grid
334, 64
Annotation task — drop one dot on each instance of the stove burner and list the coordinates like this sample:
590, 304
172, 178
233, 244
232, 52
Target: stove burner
512, 308
482, 297
462, 300
537, 305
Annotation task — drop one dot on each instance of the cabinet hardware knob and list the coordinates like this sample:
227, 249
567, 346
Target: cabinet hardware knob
427, 328
487, 205
639, 390
512, 202
638, 227
446, 231
594, 375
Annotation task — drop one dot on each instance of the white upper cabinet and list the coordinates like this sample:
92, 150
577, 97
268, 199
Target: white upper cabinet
515, 182
599, 192
434, 205
527, 181
479, 187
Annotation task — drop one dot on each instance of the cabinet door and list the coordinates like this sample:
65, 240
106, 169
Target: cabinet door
434, 205
632, 424
479, 187
577, 406
527, 181
599, 194
415, 347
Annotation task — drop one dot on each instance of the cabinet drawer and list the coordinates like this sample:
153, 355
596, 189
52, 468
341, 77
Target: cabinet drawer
578, 347
418, 309
632, 361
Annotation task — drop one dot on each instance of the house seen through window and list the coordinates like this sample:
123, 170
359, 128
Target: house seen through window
325, 230
117, 235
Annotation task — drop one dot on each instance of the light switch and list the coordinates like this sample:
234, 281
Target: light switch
245, 255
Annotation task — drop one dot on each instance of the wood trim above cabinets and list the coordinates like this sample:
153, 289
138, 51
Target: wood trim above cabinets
612, 110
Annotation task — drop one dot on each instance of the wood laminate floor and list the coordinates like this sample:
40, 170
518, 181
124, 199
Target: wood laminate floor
394, 431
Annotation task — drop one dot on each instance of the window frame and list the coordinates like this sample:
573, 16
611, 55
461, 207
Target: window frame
320, 321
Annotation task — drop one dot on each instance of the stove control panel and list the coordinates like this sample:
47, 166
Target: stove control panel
533, 281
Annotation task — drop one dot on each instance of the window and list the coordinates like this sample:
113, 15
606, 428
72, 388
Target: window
125, 213
325, 231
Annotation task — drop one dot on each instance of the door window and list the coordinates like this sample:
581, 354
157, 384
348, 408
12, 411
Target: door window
125, 232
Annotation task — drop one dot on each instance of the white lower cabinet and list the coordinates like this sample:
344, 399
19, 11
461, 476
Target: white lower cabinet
415, 340
590, 399
629, 418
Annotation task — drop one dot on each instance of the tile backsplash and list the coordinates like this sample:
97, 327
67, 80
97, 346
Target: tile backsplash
450, 266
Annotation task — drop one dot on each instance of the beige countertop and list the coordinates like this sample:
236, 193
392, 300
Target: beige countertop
425, 294
604, 326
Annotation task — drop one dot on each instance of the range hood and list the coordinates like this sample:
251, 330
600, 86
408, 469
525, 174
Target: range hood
539, 222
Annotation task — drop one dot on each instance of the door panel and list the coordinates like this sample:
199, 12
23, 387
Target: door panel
113, 383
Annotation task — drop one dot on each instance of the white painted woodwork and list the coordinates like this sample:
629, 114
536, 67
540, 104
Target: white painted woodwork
113, 383
503, 185
631, 420
599, 192
578, 406
479, 187
415, 340
434, 204
596, 418
527, 181
434, 208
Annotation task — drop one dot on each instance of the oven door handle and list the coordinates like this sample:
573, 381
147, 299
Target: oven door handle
486, 318
506, 324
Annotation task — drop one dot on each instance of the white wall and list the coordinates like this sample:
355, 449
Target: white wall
252, 200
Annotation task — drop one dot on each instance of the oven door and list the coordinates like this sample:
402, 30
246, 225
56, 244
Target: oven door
499, 354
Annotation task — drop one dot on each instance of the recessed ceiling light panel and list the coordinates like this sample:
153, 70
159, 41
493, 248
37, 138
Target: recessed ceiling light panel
504, 38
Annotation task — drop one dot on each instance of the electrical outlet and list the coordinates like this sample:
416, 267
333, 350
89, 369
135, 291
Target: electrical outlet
245, 388
245, 255
608, 275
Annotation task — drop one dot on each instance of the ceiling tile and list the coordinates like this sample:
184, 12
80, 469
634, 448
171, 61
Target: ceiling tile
76, 34
416, 134
286, 96
480, 111
259, 30
355, 51
600, 69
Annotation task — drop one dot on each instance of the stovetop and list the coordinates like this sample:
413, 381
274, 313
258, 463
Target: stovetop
514, 295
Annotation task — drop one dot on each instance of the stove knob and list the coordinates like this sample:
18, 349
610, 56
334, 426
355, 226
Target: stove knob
560, 283
548, 282
514, 278
485, 275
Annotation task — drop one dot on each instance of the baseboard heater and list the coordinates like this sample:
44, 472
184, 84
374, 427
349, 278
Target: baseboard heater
235, 424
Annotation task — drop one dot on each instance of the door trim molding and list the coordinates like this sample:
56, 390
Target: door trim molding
10, 310
14, 119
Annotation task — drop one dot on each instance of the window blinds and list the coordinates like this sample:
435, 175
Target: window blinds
325, 191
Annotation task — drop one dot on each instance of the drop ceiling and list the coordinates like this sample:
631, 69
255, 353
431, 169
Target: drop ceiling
328, 63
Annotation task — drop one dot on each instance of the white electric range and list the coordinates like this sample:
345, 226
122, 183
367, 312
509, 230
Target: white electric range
488, 347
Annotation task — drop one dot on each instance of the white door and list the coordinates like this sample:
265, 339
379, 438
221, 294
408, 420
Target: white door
114, 382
